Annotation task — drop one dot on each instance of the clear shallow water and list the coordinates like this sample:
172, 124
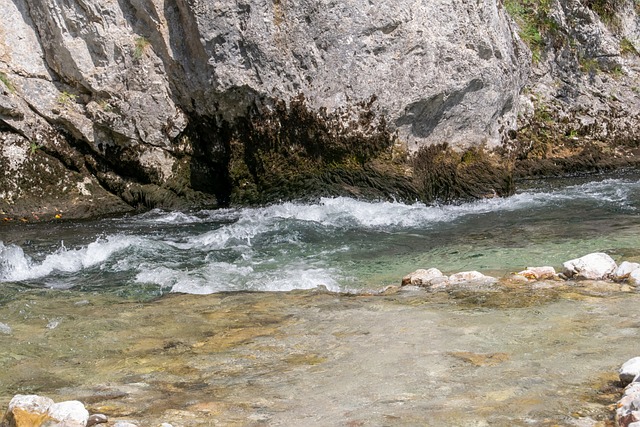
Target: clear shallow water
340, 243
515, 355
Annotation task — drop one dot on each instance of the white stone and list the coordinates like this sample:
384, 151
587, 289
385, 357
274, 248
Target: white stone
97, 419
71, 413
124, 424
625, 269
629, 370
595, 266
469, 276
422, 277
634, 277
628, 405
30, 403
538, 273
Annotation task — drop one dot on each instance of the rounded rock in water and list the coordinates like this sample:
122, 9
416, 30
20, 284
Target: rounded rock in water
595, 266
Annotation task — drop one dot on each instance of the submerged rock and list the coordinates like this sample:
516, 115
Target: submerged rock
5, 329
595, 266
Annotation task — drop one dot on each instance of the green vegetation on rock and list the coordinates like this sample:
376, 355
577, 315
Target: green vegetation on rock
141, 44
532, 16
65, 98
5, 79
607, 11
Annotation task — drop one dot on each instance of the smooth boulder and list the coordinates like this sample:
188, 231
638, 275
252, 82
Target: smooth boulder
595, 266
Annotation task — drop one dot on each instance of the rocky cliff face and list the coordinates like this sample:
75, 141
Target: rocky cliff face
107, 106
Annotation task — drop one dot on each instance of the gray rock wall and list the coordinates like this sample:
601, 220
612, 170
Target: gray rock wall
135, 95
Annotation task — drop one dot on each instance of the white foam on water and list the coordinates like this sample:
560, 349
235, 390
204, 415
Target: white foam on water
220, 277
215, 277
249, 238
158, 216
16, 266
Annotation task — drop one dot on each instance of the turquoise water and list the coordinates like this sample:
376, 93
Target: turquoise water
341, 243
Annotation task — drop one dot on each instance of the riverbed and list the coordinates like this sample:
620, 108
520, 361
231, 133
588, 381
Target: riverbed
272, 316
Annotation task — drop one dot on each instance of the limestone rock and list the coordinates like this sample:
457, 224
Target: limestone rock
634, 277
96, 419
595, 266
27, 411
629, 370
69, 414
628, 407
538, 273
625, 269
123, 91
471, 277
39, 411
423, 277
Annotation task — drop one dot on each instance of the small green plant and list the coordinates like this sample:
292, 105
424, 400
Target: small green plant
607, 11
65, 98
33, 147
616, 72
141, 45
105, 106
589, 65
5, 79
572, 133
628, 48
532, 16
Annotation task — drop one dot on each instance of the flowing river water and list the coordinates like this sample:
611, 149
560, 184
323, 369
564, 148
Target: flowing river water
181, 317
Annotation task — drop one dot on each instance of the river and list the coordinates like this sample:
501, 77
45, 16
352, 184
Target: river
180, 316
